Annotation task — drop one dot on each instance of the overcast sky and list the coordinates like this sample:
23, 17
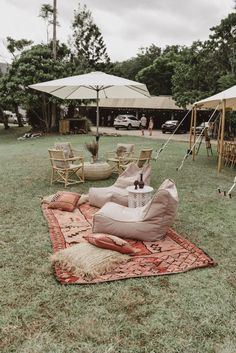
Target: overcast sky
126, 25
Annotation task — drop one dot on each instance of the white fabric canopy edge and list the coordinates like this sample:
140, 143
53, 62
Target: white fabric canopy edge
228, 95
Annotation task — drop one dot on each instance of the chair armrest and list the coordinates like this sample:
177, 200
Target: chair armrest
132, 158
58, 159
81, 158
111, 154
78, 153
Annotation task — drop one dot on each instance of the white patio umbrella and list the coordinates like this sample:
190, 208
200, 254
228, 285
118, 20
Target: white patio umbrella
93, 85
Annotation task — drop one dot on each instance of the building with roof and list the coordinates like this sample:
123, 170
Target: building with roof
160, 108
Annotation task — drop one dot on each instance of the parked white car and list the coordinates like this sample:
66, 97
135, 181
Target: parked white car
201, 127
12, 118
127, 121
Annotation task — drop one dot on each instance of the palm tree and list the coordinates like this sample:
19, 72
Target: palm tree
46, 13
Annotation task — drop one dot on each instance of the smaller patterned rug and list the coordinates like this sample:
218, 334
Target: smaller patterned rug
173, 254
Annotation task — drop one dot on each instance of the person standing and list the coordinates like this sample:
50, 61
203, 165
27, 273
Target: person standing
150, 126
109, 120
143, 122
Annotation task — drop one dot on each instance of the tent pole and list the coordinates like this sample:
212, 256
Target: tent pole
221, 136
191, 130
194, 132
97, 117
218, 132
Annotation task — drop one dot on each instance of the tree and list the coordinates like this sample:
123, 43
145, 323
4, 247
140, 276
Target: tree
206, 67
16, 46
8, 96
46, 13
88, 43
131, 67
158, 75
192, 78
222, 40
3, 116
34, 65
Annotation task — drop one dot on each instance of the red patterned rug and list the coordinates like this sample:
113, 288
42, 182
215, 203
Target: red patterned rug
174, 254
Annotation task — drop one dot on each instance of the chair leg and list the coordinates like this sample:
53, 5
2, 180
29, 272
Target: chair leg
66, 178
82, 177
52, 176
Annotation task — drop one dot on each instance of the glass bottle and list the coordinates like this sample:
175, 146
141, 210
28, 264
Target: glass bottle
141, 183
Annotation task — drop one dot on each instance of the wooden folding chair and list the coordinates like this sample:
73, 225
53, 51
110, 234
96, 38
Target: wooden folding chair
144, 157
123, 153
63, 169
69, 151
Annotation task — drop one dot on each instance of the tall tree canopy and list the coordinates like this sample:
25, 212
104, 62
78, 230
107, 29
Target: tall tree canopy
158, 75
88, 42
16, 46
34, 65
207, 67
131, 67
46, 13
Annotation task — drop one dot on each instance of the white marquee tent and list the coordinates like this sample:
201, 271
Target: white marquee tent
225, 100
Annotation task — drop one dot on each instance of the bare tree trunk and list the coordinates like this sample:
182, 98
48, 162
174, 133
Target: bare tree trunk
55, 29
5, 123
4, 119
19, 116
54, 49
45, 114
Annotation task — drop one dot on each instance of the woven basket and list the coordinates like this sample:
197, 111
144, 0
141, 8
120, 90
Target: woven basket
97, 171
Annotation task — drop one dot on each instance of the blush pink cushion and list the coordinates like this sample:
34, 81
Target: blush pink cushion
64, 201
111, 242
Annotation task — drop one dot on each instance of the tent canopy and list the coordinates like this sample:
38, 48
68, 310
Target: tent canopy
229, 95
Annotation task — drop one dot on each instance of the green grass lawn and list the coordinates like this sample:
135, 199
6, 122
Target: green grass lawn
193, 312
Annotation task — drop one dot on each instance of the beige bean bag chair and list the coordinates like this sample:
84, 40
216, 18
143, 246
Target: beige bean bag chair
148, 223
117, 192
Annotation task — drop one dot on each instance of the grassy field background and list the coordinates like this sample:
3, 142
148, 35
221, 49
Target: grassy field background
193, 312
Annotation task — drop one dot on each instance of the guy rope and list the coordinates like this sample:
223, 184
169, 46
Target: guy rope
166, 143
228, 193
196, 142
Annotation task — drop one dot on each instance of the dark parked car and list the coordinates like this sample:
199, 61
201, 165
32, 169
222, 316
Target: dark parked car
171, 125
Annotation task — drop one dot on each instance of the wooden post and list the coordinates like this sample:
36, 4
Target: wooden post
194, 132
222, 130
191, 130
218, 132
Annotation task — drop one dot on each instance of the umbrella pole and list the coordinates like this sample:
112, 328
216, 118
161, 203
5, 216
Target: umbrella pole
97, 117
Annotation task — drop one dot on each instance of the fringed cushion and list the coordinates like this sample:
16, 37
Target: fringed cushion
87, 260
111, 242
64, 201
83, 198
48, 199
